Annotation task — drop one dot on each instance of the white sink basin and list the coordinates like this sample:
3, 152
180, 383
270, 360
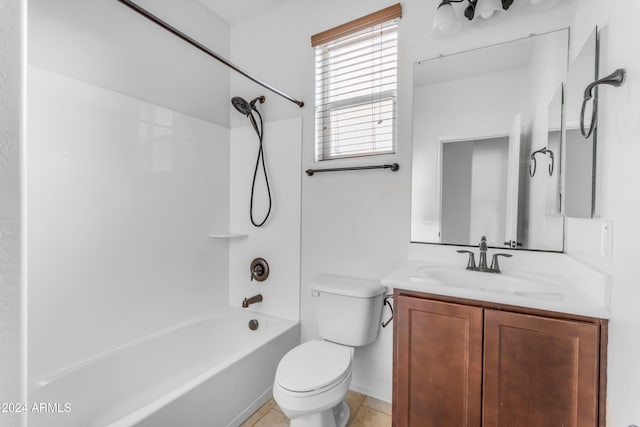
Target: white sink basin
517, 284
545, 289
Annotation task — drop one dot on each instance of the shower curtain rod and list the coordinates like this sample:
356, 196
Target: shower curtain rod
205, 49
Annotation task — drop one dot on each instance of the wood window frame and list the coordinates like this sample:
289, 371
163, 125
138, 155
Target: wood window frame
383, 15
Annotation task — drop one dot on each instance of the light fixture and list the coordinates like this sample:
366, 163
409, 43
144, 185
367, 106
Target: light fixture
480, 11
485, 9
477, 11
445, 23
486, 12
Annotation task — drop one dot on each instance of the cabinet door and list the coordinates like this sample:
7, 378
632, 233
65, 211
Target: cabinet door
539, 371
438, 364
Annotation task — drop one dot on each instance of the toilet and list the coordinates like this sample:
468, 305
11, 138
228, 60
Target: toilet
313, 378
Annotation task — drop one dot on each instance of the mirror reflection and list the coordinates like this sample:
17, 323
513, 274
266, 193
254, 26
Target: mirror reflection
553, 165
579, 174
478, 117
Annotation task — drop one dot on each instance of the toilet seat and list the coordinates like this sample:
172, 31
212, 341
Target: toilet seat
314, 367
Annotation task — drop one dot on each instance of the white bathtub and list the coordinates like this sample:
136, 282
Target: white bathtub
211, 372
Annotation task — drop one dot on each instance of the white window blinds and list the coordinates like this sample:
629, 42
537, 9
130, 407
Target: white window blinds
356, 85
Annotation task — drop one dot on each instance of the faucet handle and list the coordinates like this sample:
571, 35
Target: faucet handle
259, 269
495, 267
471, 265
483, 244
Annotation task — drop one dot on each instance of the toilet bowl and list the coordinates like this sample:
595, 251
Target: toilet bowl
313, 378
311, 383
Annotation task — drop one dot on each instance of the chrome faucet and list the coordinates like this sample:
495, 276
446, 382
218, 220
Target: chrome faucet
252, 300
482, 261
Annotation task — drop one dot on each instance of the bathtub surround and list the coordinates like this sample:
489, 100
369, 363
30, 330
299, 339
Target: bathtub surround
129, 162
122, 196
174, 189
12, 332
133, 56
130, 173
278, 241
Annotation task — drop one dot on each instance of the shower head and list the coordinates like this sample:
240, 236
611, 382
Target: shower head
241, 105
245, 107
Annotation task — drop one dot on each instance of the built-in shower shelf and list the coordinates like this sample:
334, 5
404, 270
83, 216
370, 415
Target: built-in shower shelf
227, 235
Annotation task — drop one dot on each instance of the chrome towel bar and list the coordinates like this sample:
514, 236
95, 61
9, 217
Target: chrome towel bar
393, 166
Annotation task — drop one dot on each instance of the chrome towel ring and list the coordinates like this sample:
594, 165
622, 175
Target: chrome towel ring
552, 162
615, 79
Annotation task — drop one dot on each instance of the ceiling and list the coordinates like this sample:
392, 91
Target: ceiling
238, 9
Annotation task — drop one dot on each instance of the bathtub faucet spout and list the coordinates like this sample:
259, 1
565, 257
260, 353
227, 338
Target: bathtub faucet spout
252, 300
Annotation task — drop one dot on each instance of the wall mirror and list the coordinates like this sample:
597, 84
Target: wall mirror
580, 159
478, 117
554, 154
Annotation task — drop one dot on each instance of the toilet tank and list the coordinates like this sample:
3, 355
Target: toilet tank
347, 309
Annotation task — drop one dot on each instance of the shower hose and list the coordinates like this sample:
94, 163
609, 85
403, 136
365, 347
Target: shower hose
260, 158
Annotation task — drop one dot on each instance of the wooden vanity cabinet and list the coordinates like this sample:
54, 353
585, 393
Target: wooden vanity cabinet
539, 371
467, 363
438, 363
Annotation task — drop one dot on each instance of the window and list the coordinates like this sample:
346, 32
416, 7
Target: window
356, 85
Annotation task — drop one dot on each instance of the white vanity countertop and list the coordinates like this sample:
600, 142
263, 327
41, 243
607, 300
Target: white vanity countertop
550, 292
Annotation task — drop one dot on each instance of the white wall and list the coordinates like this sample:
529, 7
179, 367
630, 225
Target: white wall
489, 190
358, 223
278, 240
617, 199
106, 44
122, 196
12, 29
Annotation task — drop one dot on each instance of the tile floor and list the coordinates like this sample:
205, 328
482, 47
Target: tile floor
365, 412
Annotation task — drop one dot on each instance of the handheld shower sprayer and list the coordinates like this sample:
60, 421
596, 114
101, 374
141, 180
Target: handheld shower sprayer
247, 109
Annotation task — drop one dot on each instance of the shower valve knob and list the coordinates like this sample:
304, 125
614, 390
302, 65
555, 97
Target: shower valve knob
259, 269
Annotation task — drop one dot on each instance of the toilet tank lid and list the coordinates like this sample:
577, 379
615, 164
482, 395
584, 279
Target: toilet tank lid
348, 286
